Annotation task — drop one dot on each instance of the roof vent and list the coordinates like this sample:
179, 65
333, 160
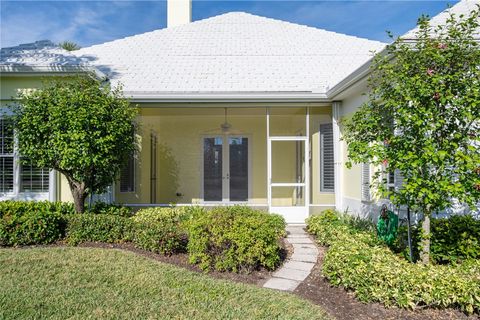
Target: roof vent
178, 12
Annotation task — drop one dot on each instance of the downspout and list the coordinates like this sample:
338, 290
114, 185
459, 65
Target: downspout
337, 155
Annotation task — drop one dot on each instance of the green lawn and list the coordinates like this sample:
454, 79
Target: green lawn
81, 283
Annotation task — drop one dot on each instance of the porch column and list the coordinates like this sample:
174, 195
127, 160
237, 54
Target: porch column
337, 155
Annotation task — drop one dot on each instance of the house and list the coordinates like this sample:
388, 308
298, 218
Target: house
234, 109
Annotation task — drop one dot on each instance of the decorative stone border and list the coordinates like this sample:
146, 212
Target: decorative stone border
298, 267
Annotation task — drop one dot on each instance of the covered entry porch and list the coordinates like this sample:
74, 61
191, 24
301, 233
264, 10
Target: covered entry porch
279, 159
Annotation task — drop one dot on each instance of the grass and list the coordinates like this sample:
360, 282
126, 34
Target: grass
86, 283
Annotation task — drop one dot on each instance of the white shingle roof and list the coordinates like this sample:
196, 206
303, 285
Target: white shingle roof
37, 55
464, 7
233, 52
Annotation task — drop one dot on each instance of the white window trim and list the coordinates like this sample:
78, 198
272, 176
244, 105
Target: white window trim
30, 196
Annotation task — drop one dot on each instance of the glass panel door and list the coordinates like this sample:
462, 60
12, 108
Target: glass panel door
288, 183
213, 169
238, 168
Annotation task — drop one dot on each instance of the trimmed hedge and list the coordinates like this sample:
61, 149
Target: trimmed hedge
11, 207
224, 238
160, 230
356, 260
27, 223
234, 239
98, 227
111, 209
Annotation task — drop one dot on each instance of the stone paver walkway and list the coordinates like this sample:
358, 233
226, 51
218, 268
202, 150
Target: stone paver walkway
298, 267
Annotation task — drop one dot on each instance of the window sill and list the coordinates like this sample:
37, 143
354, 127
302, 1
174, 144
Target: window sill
37, 196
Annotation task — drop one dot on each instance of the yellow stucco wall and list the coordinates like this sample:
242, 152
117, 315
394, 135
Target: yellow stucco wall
351, 183
180, 131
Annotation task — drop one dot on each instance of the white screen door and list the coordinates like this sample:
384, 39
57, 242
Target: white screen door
287, 176
225, 169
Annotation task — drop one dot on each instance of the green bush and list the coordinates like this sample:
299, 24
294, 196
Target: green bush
355, 260
98, 228
453, 240
234, 239
111, 209
27, 207
160, 229
27, 223
37, 227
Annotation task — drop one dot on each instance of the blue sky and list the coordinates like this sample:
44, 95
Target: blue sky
92, 22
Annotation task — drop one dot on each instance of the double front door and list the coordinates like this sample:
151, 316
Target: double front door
225, 168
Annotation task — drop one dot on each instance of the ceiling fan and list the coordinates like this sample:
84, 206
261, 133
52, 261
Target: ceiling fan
225, 127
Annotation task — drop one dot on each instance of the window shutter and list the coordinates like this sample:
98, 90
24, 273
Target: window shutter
327, 170
127, 176
365, 182
6, 156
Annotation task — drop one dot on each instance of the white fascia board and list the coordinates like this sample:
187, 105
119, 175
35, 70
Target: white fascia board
48, 70
227, 97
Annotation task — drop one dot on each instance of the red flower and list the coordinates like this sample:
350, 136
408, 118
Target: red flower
430, 71
385, 162
442, 46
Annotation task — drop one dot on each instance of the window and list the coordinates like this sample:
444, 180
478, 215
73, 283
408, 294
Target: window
31, 178
365, 182
6, 156
327, 170
390, 181
127, 175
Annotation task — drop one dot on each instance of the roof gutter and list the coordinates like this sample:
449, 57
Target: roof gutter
48, 70
228, 97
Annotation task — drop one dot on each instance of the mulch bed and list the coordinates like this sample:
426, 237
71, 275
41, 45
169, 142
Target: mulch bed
342, 304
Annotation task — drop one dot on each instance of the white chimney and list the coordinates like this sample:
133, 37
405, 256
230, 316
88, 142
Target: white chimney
179, 12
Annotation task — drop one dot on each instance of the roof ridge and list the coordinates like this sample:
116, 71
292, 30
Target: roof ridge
217, 17
303, 25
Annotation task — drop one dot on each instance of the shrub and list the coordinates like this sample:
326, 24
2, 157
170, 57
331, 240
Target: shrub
369, 268
111, 209
235, 239
27, 207
98, 227
160, 229
453, 240
31, 227
26, 222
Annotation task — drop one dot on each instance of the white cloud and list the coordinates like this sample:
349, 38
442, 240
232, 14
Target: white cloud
57, 22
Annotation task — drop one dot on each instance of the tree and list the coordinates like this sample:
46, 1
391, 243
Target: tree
69, 45
422, 118
80, 127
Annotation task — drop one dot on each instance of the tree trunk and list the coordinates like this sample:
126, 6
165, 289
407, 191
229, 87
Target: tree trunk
78, 193
79, 201
425, 252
